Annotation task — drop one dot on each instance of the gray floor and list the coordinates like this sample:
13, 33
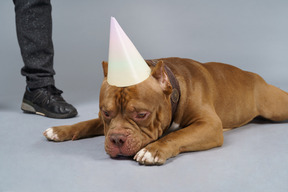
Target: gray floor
253, 158
249, 34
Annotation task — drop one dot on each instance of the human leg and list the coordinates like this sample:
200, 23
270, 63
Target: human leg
34, 32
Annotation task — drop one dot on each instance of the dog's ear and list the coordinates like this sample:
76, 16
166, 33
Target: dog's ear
159, 73
105, 68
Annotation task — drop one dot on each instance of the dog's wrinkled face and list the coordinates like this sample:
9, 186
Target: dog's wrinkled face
133, 116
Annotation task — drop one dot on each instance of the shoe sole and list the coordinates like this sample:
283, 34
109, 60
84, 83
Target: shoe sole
28, 107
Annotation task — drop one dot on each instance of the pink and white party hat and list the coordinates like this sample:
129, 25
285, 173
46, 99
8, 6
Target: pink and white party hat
126, 66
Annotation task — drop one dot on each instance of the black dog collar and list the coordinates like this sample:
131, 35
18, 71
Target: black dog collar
175, 95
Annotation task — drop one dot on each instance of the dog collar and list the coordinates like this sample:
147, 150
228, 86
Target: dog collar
175, 95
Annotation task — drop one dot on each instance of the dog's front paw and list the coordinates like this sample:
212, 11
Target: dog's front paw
60, 133
151, 156
51, 135
145, 157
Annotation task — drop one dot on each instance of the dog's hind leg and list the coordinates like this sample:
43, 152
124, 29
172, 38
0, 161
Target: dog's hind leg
272, 102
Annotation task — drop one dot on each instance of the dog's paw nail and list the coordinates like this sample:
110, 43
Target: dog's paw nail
50, 135
138, 157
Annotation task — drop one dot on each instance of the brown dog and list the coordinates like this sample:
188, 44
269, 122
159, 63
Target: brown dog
210, 97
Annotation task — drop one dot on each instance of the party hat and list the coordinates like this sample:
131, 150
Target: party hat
126, 66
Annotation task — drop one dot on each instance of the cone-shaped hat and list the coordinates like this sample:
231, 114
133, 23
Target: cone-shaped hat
126, 66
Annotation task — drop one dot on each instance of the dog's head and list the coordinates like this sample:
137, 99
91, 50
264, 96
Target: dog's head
136, 115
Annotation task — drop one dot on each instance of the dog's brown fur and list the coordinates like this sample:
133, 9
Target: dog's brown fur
214, 96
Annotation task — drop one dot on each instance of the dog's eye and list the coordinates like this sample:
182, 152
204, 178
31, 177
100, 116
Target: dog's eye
141, 115
106, 114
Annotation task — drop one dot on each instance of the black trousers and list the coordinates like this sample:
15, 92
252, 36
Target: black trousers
34, 32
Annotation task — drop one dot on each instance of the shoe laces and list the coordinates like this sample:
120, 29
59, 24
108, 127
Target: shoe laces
48, 95
53, 90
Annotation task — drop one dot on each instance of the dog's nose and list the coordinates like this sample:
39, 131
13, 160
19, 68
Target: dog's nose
118, 139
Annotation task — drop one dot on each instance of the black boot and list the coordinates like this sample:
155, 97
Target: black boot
47, 101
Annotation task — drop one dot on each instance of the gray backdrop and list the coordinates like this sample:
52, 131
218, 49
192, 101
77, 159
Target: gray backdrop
250, 34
